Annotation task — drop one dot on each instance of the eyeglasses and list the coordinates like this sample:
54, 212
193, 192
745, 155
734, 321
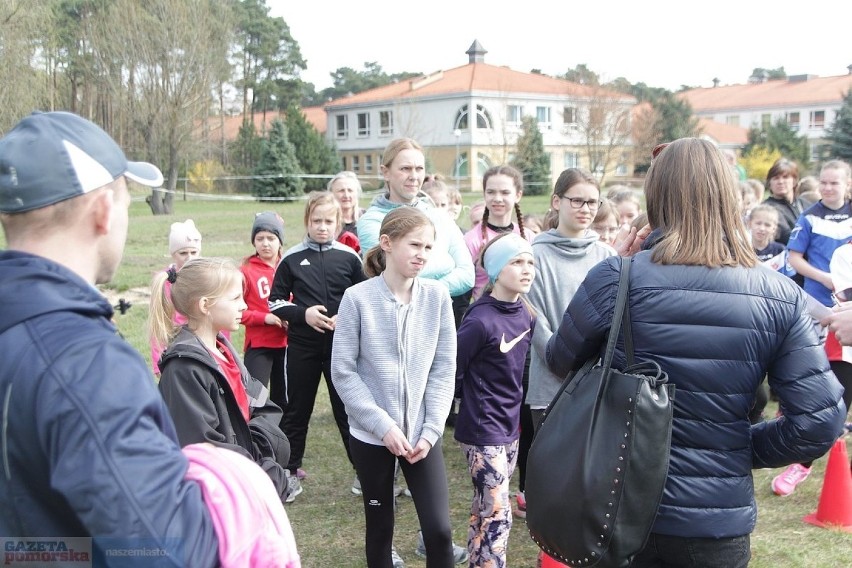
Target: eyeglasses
606, 230
577, 203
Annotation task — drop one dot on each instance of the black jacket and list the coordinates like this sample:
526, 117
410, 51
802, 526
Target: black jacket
716, 332
315, 274
204, 408
788, 214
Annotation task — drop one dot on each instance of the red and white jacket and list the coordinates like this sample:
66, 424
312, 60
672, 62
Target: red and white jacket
257, 284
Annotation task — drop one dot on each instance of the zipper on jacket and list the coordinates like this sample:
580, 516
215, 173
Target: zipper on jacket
4, 428
324, 277
402, 344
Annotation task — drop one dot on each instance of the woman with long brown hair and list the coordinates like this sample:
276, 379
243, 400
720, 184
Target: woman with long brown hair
716, 323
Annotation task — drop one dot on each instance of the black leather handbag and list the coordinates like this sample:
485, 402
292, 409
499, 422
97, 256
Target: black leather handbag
598, 462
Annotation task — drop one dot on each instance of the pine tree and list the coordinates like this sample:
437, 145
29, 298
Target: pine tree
531, 159
840, 133
278, 166
313, 153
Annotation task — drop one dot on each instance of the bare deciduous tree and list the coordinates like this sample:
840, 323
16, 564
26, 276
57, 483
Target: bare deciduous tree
168, 57
604, 123
23, 87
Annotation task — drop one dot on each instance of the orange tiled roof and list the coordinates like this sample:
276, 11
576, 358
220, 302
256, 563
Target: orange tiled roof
726, 134
777, 93
474, 77
314, 115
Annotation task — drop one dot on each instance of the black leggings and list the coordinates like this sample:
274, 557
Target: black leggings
527, 429
427, 481
266, 364
305, 366
843, 371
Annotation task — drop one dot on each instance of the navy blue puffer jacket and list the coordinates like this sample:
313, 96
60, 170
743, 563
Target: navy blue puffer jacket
716, 332
87, 446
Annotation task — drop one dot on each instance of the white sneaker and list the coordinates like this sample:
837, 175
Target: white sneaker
396, 559
356, 486
294, 488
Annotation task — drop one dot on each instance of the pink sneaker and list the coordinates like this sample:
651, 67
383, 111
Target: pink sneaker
520, 505
786, 483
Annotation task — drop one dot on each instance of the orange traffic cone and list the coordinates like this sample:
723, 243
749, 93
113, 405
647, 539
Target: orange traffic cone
835, 501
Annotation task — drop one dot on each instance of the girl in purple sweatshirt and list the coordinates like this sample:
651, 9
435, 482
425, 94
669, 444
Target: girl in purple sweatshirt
493, 341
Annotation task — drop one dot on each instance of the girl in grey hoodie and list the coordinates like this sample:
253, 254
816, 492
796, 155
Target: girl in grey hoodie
563, 257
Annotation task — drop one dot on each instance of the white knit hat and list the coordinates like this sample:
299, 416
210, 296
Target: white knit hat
183, 235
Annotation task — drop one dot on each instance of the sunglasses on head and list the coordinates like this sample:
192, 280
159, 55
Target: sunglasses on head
657, 149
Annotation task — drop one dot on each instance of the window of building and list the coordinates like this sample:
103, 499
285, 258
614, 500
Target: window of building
793, 120
542, 116
342, 129
621, 168
569, 115
460, 167
356, 163
363, 124
732, 119
817, 119
343, 163
596, 161
482, 164
514, 113
765, 121
368, 163
572, 160
385, 123
483, 118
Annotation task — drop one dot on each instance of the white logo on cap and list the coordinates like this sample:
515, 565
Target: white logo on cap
90, 173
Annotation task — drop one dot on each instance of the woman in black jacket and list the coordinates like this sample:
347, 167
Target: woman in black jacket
716, 322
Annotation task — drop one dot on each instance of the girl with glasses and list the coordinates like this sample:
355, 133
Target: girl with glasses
563, 256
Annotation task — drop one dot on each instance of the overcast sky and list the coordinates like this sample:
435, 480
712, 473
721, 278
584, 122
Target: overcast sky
661, 43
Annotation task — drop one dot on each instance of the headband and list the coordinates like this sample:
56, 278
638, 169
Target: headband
501, 251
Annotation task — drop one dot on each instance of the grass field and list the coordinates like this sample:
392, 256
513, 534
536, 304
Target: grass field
327, 519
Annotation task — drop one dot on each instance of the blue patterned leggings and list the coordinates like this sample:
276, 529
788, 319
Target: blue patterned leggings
491, 510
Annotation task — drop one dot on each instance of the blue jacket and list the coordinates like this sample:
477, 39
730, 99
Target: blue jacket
88, 447
450, 262
716, 332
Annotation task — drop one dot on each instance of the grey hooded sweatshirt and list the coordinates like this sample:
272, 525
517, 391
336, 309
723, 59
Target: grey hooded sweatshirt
561, 264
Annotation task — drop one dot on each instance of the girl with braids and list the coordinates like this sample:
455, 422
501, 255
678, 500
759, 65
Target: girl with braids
503, 187
398, 397
209, 393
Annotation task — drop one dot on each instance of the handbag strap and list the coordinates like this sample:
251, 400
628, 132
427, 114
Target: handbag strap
626, 327
618, 317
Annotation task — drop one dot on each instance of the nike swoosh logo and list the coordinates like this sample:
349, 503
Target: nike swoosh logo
506, 347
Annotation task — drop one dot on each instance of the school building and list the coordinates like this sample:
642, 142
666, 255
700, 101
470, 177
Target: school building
808, 103
468, 119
